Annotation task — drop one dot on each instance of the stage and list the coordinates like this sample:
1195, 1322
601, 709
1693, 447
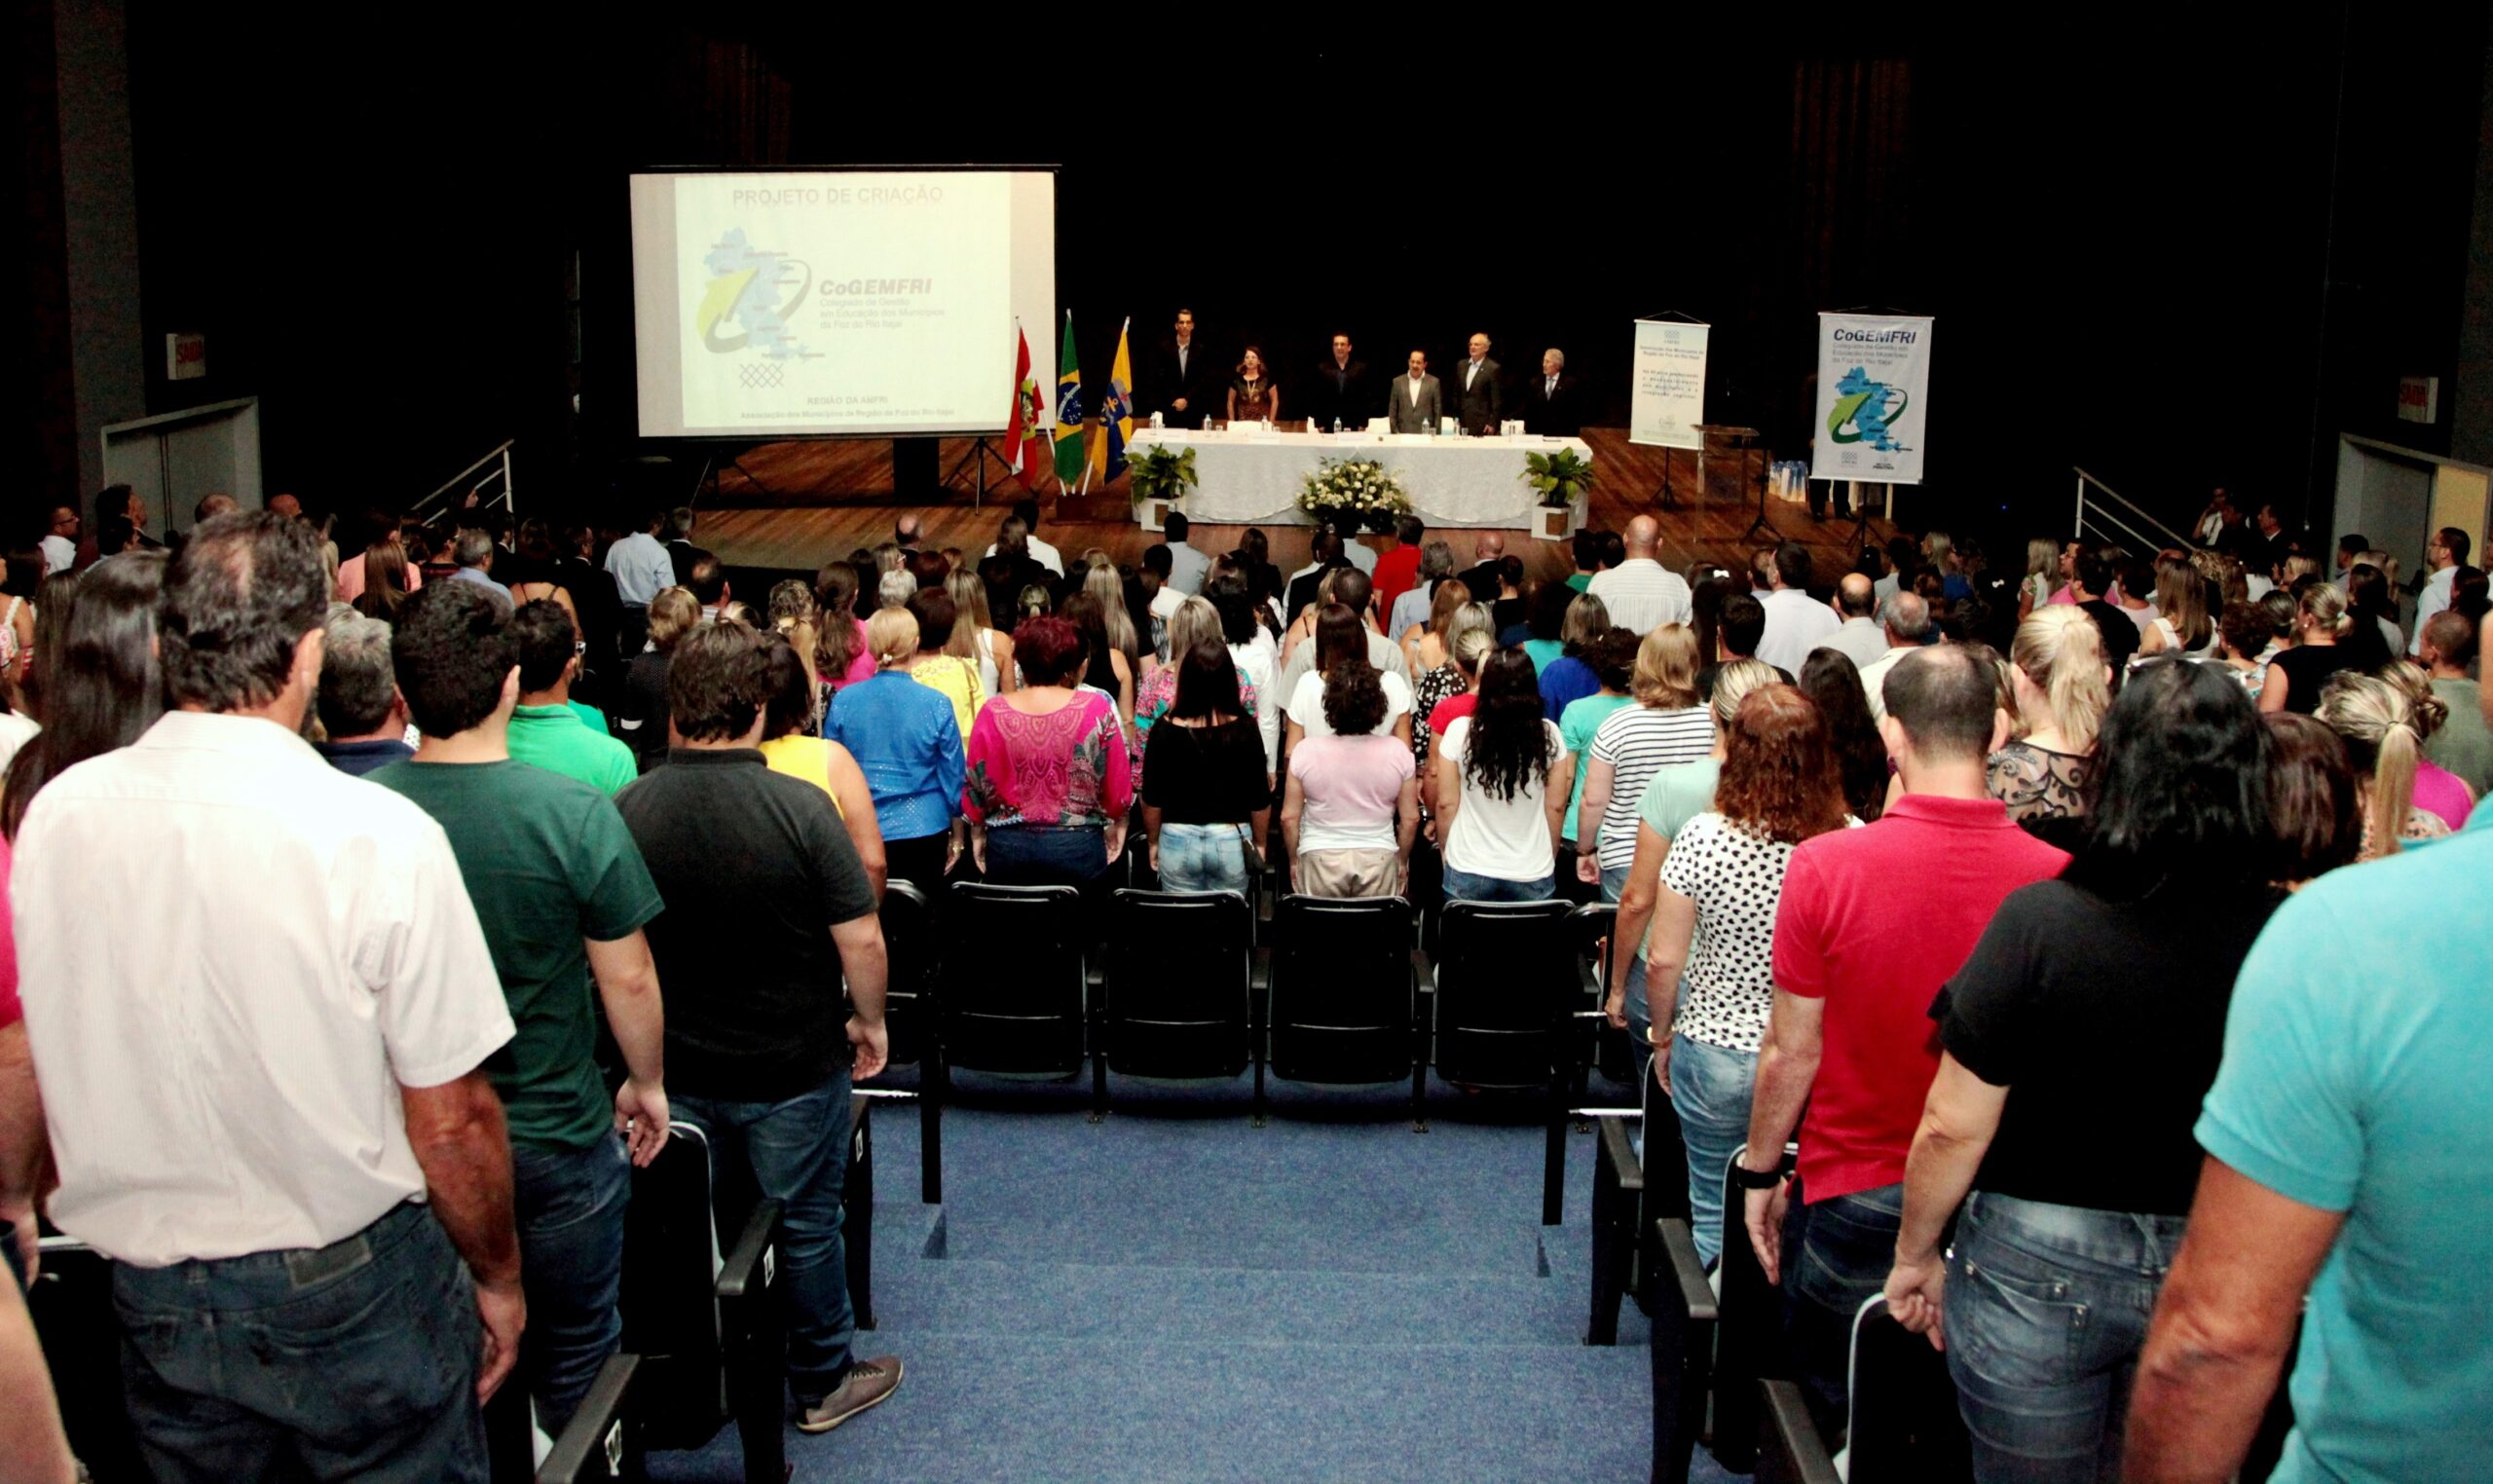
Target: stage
789, 507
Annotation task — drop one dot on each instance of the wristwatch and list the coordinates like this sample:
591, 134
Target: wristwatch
1757, 1180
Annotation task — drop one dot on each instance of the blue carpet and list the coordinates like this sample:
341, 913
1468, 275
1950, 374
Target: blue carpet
1174, 1294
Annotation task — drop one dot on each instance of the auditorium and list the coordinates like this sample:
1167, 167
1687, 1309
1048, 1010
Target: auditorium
1812, 641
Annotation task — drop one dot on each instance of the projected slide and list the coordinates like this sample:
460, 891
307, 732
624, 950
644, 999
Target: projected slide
831, 303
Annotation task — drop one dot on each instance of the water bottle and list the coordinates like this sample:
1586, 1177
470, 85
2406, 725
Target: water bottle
1337, 426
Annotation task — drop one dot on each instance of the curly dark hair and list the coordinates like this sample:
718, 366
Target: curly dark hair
1612, 654
2180, 793
1509, 742
1354, 698
1779, 778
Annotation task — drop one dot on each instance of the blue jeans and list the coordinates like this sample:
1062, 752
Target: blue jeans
358, 1361
798, 1151
1464, 887
2047, 1308
1202, 858
570, 1204
1613, 882
1837, 1255
1710, 1089
1046, 855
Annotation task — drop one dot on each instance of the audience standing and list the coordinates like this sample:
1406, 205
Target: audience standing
562, 896
2062, 686
1502, 780
2376, 721
1834, 687
907, 739
550, 729
1050, 780
1640, 593
1794, 622
788, 748
2075, 1191
2464, 745
760, 1047
1668, 724
360, 711
642, 719
1206, 799
1351, 806
270, 1109
105, 691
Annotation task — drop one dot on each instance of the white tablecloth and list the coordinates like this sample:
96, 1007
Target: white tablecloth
1245, 479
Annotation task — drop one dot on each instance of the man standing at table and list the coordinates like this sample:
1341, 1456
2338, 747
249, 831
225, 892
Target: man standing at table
1550, 403
1417, 401
1340, 391
1186, 376
1477, 403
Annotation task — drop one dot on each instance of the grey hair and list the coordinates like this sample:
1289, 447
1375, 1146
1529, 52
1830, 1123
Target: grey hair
356, 683
1907, 616
472, 547
1553, 350
1437, 560
895, 589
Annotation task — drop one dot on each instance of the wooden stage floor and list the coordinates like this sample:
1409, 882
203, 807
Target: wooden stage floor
793, 505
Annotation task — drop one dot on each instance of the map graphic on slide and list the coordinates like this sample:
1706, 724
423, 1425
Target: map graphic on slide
1869, 408
757, 289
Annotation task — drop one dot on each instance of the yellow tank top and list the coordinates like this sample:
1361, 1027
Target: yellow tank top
805, 757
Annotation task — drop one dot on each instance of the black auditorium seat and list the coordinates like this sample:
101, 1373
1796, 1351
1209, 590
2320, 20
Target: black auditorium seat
1014, 996
1176, 1001
1904, 1426
1685, 1323
1509, 982
1751, 1330
909, 1017
1344, 995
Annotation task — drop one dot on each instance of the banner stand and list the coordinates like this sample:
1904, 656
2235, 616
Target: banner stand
1668, 394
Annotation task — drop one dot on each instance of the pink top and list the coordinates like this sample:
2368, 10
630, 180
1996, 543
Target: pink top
11, 1012
2438, 791
350, 579
2062, 595
1066, 767
861, 662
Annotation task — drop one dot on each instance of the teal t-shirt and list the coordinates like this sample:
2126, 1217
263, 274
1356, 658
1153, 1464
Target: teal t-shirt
1544, 652
2355, 1080
1575, 727
1676, 794
1580, 580
549, 865
556, 739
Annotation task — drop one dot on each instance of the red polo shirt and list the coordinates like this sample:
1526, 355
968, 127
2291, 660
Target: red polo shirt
1397, 572
1873, 921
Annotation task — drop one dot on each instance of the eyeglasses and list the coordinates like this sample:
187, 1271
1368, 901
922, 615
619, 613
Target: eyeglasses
579, 646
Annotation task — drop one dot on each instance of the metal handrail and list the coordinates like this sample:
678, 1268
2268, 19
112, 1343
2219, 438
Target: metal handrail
500, 452
2104, 517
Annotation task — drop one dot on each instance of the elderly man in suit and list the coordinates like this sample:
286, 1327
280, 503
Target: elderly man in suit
1416, 401
1550, 403
1476, 398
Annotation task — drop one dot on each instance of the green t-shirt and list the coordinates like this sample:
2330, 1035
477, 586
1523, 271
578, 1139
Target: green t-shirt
590, 717
1580, 581
556, 739
549, 865
1678, 793
1544, 652
1575, 727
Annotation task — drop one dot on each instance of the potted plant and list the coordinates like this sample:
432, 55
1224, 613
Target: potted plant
1562, 479
1158, 478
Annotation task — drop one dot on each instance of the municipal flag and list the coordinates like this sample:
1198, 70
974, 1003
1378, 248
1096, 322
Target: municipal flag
1116, 409
1068, 411
1023, 431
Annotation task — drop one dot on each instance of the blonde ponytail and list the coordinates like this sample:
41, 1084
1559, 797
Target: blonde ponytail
2394, 787
2377, 723
2061, 652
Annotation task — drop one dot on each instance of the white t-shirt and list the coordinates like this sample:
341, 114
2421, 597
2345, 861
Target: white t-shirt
1307, 702
1507, 838
1794, 624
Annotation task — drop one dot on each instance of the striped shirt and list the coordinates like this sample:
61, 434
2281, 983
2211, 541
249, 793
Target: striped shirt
1638, 741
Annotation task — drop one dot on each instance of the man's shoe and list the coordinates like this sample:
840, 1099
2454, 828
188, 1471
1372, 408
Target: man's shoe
868, 1384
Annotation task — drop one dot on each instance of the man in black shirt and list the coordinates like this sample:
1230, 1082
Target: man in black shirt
2090, 577
768, 908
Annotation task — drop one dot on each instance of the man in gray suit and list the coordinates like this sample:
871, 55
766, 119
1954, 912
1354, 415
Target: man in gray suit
1477, 403
1416, 400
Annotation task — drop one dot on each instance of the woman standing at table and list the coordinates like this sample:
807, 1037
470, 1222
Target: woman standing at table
1252, 397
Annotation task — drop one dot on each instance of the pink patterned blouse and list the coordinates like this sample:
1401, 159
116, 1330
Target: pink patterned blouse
1066, 767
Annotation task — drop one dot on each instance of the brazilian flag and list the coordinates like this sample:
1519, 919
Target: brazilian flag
1070, 457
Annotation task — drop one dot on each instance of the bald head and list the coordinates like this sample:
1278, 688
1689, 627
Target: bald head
287, 506
1491, 545
1644, 535
1854, 596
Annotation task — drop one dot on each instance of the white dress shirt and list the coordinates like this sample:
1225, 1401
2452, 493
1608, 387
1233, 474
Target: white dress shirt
640, 568
1471, 370
2435, 597
222, 1077
1411, 384
1859, 639
1874, 679
1041, 552
1795, 624
59, 554
1642, 595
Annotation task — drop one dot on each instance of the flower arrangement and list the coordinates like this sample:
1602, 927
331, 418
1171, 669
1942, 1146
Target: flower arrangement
1348, 494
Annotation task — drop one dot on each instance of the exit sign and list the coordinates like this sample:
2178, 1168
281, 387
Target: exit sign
185, 356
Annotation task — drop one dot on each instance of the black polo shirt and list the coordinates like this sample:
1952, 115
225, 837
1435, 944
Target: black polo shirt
754, 868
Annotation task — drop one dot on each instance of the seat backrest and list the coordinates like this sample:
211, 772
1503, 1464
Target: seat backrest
1507, 975
670, 1310
1342, 1001
908, 947
1174, 1003
1905, 1421
1013, 996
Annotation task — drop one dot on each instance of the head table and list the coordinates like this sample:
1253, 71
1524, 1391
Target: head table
1252, 477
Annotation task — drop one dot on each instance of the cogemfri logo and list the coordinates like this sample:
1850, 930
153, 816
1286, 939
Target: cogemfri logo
750, 299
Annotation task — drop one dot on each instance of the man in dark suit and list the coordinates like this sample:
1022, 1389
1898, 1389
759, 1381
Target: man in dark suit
680, 549
1326, 549
1549, 404
1477, 404
1340, 391
1414, 402
1184, 380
